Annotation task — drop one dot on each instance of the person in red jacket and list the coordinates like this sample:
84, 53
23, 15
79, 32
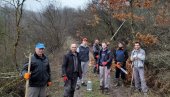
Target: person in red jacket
71, 70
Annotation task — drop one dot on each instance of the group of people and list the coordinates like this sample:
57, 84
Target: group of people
75, 67
103, 57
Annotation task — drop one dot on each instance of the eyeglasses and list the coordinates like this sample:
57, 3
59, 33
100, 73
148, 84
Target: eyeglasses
73, 47
41, 48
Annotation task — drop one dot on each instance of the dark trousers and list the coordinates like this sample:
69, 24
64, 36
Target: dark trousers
69, 87
119, 72
95, 68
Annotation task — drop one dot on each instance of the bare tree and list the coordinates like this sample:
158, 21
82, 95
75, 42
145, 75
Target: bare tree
18, 6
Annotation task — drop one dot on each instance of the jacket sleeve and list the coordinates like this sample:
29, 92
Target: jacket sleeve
94, 48
110, 57
141, 56
126, 55
24, 70
98, 60
65, 61
78, 49
49, 72
131, 56
114, 55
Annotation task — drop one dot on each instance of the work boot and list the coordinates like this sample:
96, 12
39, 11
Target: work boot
117, 83
123, 83
84, 84
107, 91
145, 94
77, 87
100, 88
137, 90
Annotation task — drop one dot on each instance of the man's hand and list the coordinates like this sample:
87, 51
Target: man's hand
97, 66
120, 64
104, 63
65, 78
27, 76
49, 83
135, 58
97, 56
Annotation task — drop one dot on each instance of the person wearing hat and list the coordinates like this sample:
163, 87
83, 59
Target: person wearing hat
83, 51
40, 76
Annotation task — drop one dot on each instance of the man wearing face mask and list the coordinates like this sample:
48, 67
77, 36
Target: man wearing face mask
138, 58
40, 76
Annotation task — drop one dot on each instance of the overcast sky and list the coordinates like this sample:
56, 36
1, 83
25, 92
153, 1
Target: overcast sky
38, 5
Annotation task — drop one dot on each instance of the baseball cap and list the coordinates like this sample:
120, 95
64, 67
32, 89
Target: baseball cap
40, 45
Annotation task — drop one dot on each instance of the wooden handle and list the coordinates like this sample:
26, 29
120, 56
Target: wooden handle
27, 81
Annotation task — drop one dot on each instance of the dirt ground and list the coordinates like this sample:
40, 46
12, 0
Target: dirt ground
114, 91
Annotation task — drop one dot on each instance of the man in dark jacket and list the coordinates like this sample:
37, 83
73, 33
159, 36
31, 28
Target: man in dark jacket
71, 70
96, 50
120, 57
105, 59
40, 76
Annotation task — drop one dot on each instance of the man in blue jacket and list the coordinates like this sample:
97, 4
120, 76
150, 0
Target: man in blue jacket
120, 57
40, 76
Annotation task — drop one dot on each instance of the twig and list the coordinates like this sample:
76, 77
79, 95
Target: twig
9, 77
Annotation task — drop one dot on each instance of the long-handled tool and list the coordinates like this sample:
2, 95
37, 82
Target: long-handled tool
131, 84
118, 66
27, 81
117, 30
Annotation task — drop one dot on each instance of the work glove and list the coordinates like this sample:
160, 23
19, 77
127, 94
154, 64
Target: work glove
97, 56
104, 63
27, 76
118, 66
49, 83
119, 63
97, 66
65, 78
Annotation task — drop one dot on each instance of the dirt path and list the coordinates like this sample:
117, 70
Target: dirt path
114, 91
